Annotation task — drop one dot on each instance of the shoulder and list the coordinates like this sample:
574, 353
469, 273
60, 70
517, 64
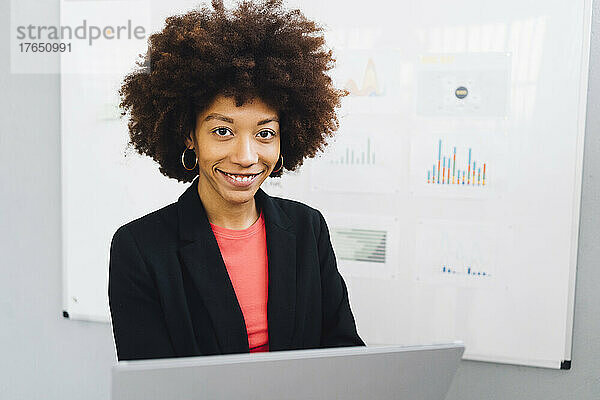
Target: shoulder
300, 213
162, 222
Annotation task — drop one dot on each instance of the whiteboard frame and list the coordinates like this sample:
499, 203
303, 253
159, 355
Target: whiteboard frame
578, 179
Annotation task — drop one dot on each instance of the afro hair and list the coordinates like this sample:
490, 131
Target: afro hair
258, 50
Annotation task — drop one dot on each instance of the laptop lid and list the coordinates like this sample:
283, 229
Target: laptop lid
374, 372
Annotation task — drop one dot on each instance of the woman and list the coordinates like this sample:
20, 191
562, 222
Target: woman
229, 98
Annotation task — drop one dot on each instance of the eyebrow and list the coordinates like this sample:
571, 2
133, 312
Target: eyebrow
230, 120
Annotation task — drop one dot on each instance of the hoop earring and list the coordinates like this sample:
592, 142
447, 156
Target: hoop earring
183, 159
279, 169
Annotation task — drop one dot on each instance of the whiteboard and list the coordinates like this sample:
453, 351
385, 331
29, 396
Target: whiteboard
452, 189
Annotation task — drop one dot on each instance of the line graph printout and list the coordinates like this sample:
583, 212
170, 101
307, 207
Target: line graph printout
359, 160
459, 165
372, 78
365, 245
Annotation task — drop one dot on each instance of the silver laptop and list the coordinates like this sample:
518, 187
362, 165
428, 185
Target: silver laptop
347, 373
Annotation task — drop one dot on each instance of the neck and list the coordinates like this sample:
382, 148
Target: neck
225, 214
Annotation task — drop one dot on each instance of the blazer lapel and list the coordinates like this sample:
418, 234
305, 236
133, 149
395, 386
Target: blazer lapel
281, 253
201, 256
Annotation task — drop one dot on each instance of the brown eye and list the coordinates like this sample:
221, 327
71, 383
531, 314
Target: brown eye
265, 134
221, 131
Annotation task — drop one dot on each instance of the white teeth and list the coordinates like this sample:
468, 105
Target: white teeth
241, 178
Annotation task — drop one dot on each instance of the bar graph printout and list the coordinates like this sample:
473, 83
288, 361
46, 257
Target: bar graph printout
447, 173
464, 165
359, 160
456, 253
365, 245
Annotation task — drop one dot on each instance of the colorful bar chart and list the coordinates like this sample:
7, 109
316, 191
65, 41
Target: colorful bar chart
446, 172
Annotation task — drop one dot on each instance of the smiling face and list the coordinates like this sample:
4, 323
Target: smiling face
237, 149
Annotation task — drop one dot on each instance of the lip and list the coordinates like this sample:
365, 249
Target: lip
235, 183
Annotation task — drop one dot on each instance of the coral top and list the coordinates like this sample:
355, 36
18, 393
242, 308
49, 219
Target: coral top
244, 252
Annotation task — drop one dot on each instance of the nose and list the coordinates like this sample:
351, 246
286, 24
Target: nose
245, 154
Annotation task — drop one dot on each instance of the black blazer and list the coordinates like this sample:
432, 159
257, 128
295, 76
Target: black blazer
170, 294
